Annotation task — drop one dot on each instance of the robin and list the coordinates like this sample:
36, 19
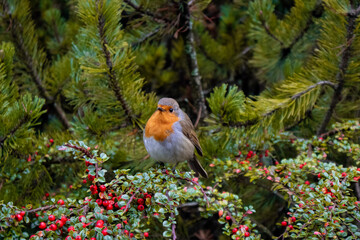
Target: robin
170, 136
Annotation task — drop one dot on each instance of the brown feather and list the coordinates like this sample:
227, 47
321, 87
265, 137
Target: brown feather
195, 165
189, 131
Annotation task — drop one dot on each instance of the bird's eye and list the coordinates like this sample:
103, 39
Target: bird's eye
171, 110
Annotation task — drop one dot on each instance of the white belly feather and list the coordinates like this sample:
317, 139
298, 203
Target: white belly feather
175, 148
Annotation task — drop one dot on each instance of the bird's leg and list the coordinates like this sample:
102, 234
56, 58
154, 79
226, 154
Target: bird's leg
174, 168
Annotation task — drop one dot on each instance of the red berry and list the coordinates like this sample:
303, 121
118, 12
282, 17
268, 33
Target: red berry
141, 207
131, 235
51, 218
344, 174
247, 234
37, 215
91, 177
146, 234
102, 188
110, 207
234, 230
42, 225
78, 237
71, 228
148, 196
293, 219
51, 140
283, 223
319, 175
291, 227
59, 223
84, 181
307, 182
63, 219
104, 232
126, 232
81, 217
18, 217
221, 212
22, 213
92, 238
245, 227
93, 188
99, 223
140, 201
228, 218
47, 194
53, 227
60, 202
99, 202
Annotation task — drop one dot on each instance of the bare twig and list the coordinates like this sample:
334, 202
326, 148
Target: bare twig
357, 190
40, 209
192, 59
172, 215
130, 200
139, 9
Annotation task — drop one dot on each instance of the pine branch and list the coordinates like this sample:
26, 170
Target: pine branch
192, 60
280, 106
267, 30
147, 36
12, 131
147, 13
331, 84
307, 27
340, 76
30, 63
112, 77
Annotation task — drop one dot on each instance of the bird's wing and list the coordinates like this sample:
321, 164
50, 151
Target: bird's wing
189, 131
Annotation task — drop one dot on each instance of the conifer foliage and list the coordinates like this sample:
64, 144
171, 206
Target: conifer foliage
271, 86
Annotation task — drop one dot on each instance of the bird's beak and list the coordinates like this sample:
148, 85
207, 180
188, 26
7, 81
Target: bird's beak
160, 109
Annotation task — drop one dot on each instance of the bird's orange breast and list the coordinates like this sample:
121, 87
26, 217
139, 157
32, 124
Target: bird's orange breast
160, 124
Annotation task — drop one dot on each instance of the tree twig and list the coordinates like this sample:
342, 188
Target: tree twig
147, 13
130, 200
172, 215
189, 37
40, 209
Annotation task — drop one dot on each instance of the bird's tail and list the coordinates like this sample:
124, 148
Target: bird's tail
195, 165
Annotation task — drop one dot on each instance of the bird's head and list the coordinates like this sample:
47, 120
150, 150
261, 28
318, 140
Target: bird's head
168, 107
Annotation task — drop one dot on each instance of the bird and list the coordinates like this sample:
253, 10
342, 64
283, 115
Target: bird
170, 137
